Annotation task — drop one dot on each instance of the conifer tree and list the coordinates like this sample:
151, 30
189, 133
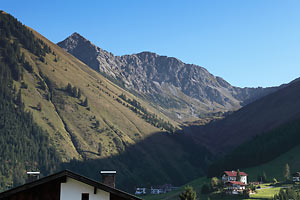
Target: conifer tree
19, 98
85, 103
79, 93
238, 175
69, 88
265, 177
287, 173
39, 106
74, 92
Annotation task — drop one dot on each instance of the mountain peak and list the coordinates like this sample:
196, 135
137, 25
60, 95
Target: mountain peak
75, 40
75, 34
166, 80
76, 37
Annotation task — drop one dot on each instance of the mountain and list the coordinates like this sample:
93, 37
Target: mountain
258, 117
73, 117
24, 144
181, 91
262, 149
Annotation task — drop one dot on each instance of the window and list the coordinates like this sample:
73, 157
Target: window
85, 196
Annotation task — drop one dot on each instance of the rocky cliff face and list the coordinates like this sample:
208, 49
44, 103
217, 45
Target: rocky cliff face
187, 89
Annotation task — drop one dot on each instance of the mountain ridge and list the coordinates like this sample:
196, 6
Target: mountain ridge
170, 84
86, 119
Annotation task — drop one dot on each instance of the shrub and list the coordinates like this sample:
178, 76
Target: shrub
188, 194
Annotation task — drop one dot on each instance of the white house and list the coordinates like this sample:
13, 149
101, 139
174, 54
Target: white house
235, 187
67, 185
296, 177
156, 190
231, 176
140, 191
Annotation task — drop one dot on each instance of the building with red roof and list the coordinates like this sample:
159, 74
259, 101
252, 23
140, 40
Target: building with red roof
232, 176
235, 187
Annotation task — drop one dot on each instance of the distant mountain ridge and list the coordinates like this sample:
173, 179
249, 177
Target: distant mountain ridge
187, 89
258, 117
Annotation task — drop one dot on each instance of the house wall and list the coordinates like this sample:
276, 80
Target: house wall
228, 178
244, 179
296, 179
233, 178
73, 189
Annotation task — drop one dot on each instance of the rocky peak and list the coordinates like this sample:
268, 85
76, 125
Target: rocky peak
76, 44
167, 81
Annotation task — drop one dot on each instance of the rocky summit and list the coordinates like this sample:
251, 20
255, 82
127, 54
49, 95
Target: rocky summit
182, 91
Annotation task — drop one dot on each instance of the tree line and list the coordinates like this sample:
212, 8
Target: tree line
76, 93
146, 115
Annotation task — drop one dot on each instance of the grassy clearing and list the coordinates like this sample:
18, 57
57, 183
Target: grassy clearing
265, 193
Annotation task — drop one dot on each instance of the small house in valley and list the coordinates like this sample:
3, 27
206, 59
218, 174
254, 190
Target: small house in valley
231, 183
232, 176
235, 187
68, 185
141, 191
296, 177
156, 191
161, 189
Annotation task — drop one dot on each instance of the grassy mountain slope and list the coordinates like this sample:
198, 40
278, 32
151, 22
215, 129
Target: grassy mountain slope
123, 137
275, 167
66, 118
261, 149
260, 116
93, 124
24, 145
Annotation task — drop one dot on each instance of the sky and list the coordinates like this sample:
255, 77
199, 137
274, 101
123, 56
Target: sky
249, 43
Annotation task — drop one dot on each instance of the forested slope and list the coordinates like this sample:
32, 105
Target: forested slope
24, 145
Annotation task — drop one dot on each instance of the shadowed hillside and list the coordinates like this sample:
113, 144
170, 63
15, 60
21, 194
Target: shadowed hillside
158, 159
256, 118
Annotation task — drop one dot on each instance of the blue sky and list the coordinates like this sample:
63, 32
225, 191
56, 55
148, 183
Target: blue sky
249, 43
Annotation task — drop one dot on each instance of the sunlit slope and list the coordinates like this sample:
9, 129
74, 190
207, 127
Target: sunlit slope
103, 127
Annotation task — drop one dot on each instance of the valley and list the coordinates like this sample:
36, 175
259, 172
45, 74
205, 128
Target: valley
91, 121
154, 119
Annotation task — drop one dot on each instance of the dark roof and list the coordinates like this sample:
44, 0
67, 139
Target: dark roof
234, 173
296, 174
70, 174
